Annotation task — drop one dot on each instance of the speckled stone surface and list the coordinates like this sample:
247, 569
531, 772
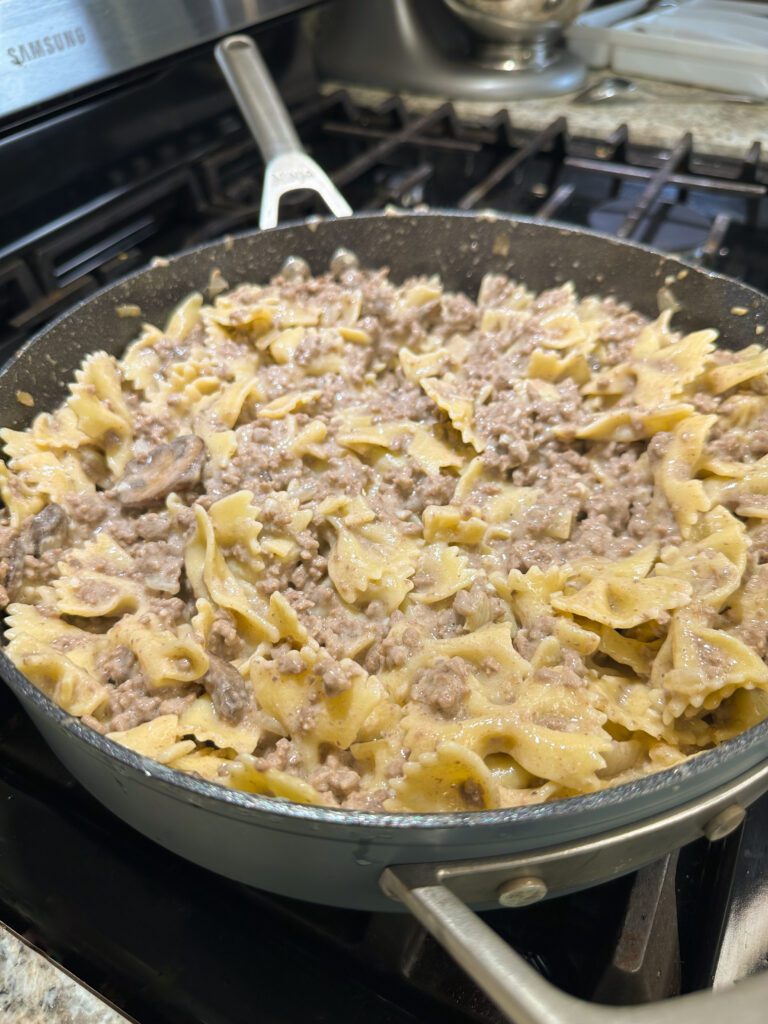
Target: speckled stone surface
35, 991
725, 129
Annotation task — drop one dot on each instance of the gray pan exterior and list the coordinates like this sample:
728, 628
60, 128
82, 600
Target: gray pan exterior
337, 856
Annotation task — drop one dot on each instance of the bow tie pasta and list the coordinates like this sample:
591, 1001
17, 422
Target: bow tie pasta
378, 546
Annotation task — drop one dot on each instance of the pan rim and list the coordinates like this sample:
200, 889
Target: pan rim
313, 223
181, 784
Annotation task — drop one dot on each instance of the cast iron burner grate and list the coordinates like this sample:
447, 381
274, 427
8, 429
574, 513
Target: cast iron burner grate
168, 942
710, 210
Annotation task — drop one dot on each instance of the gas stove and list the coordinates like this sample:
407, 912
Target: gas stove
170, 943
159, 161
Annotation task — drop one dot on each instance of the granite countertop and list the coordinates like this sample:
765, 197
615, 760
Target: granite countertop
34, 990
726, 129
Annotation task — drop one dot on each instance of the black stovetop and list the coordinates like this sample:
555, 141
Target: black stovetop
167, 941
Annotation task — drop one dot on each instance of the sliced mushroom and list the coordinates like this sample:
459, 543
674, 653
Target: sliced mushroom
14, 574
45, 531
170, 467
94, 465
228, 690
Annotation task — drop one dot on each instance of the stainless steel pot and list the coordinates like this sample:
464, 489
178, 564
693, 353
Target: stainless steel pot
435, 865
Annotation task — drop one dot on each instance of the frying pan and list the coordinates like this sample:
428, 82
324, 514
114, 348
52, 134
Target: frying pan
435, 865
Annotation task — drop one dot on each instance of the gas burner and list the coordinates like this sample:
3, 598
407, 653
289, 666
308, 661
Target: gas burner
708, 210
161, 938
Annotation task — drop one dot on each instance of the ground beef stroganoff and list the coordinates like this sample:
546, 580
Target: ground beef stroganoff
347, 542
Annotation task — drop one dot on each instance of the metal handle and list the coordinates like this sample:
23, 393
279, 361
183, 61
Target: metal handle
435, 894
525, 997
288, 167
261, 104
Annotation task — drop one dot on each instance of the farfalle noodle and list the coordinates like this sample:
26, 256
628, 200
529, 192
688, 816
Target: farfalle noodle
414, 552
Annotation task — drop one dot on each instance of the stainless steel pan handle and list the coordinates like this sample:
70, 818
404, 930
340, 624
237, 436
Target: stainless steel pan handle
526, 998
436, 895
288, 167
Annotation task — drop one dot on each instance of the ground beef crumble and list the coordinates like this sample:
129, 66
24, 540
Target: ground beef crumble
442, 686
349, 461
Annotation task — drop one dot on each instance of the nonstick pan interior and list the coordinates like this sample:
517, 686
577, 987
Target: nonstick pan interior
461, 248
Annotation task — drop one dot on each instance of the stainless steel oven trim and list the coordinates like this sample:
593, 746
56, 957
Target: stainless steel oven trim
50, 50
